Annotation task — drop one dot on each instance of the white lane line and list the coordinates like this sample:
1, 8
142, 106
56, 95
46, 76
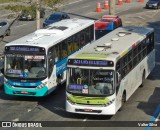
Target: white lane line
141, 17
85, 119
85, 6
121, 11
29, 110
61, 5
16, 119
74, 2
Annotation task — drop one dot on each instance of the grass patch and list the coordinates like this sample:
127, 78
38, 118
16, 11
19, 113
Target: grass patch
6, 1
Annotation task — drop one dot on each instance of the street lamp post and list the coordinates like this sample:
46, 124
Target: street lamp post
112, 7
38, 14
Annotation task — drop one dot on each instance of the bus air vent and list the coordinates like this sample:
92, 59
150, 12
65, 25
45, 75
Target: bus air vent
99, 48
34, 38
62, 28
46, 32
122, 34
115, 39
104, 47
107, 45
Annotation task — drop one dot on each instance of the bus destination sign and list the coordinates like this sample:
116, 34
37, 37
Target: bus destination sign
19, 48
83, 62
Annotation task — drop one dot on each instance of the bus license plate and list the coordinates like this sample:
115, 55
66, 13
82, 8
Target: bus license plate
88, 110
24, 92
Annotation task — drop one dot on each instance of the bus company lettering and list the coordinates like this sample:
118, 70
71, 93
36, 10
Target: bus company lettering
24, 49
90, 62
24, 124
102, 79
60, 68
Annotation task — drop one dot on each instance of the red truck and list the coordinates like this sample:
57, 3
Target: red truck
106, 24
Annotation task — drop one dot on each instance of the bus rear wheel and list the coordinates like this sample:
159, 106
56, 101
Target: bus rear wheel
143, 78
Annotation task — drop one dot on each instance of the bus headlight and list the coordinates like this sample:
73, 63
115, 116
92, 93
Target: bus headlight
69, 100
110, 102
42, 85
8, 84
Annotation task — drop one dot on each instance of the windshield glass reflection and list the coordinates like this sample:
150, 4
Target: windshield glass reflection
90, 82
25, 66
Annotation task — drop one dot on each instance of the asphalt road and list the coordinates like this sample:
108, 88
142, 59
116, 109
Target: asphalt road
140, 107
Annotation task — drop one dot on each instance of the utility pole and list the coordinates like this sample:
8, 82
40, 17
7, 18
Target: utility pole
112, 8
38, 14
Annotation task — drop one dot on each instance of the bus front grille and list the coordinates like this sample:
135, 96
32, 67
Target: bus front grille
25, 86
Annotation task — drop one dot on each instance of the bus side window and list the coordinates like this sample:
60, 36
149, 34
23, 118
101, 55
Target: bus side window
50, 60
57, 53
91, 30
87, 35
129, 56
82, 39
75, 42
64, 49
150, 43
139, 53
144, 48
118, 70
124, 61
70, 45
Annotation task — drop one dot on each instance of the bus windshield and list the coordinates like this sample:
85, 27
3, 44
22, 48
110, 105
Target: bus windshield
25, 66
90, 81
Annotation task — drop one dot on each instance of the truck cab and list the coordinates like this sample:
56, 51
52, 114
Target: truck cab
106, 24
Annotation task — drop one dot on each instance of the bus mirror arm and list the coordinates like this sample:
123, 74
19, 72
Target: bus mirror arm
118, 77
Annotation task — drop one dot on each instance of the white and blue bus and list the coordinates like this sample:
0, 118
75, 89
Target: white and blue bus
103, 75
35, 65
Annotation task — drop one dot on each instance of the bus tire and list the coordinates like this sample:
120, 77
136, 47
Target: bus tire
59, 78
143, 78
123, 100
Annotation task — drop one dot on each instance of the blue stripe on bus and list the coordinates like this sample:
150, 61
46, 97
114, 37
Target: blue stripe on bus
23, 84
61, 66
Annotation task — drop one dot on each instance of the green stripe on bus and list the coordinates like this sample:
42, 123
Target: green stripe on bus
89, 100
93, 56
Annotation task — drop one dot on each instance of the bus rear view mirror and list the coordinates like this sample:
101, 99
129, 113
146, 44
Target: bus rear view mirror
118, 76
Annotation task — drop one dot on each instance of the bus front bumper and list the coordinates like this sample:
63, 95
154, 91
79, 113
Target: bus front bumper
92, 110
26, 92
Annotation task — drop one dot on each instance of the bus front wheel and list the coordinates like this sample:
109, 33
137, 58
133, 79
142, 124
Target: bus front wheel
123, 100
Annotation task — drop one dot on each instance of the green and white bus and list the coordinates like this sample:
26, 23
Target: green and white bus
102, 76
35, 64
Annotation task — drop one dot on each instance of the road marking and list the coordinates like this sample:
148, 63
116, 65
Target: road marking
154, 117
121, 11
141, 17
74, 2
85, 119
29, 110
16, 119
85, 6
59, 108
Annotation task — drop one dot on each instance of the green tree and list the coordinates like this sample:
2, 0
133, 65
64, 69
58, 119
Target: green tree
53, 4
